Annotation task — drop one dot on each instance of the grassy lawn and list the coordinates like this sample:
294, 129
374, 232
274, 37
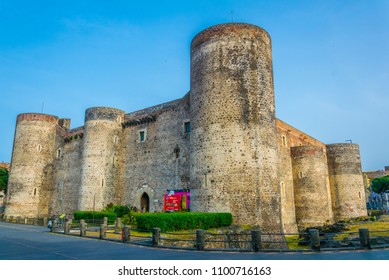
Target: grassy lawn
375, 228
292, 241
116, 234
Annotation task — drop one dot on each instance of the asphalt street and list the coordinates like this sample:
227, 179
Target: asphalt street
27, 242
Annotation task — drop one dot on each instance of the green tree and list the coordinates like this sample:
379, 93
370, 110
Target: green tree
380, 184
3, 179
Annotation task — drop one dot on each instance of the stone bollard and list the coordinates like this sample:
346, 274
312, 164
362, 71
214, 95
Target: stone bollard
156, 236
200, 239
126, 234
103, 231
82, 227
67, 227
118, 223
364, 238
314, 239
256, 240
105, 221
17, 219
25, 220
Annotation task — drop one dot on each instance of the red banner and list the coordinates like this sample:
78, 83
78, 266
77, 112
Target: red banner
172, 202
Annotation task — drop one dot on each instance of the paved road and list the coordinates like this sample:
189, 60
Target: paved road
26, 242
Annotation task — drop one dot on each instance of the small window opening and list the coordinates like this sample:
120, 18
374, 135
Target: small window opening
300, 174
282, 189
359, 195
34, 191
102, 182
142, 136
39, 148
283, 141
187, 127
58, 153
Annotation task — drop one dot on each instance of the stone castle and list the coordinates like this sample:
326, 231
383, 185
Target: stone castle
222, 141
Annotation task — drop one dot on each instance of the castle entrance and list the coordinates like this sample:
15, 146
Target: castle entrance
145, 203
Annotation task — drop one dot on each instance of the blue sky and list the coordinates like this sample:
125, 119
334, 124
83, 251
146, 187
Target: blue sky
330, 59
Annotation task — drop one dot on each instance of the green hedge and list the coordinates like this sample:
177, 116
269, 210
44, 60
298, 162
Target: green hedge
376, 213
97, 215
182, 221
119, 210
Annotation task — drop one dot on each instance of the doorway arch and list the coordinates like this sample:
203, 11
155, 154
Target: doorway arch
145, 203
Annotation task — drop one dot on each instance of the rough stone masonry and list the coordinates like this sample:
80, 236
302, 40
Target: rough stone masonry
222, 141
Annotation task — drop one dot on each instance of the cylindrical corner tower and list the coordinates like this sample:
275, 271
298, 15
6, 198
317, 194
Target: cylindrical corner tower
100, 158
30, 178
311, 186
233, 130
346, 181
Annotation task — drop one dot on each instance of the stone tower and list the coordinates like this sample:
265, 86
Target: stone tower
233, 165
33, 154
311, 186
346, 180
101, 168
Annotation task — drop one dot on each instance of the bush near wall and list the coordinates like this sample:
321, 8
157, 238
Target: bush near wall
376, 213
97, 215
182, 221
119, 210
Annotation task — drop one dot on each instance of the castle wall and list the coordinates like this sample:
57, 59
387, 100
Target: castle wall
160, 161
311, 186
67, 175
286, 183
100, 158
236, 157
233, 140
295, 137
31, 173
346, 180
288, 137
